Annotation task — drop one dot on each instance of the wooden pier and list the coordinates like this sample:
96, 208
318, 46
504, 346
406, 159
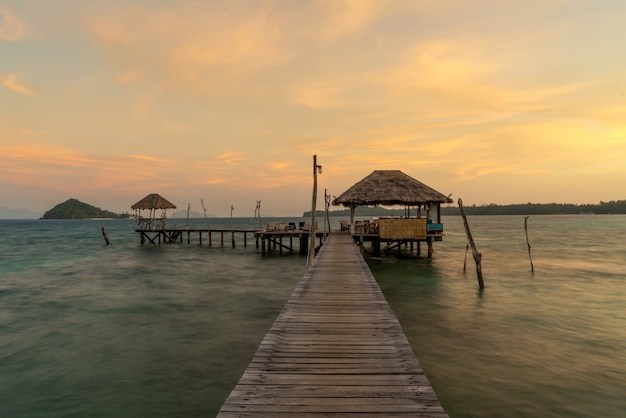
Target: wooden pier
284, 240
156, 236
270, 241
336, 349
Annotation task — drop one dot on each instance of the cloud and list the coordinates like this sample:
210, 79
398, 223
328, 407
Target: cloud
11, 29
342, 18
11, 82
191, 49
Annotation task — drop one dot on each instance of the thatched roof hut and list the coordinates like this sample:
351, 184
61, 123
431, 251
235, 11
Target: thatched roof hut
152, 202
390, 187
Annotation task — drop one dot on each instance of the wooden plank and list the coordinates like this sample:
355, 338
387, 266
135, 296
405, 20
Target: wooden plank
335, 349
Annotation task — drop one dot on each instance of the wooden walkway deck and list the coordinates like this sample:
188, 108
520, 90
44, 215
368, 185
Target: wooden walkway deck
336, 349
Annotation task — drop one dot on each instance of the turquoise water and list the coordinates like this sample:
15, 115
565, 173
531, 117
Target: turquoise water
548, 343
127, 330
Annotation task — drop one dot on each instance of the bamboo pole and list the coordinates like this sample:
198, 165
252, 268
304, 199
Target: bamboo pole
477, 256
532, 268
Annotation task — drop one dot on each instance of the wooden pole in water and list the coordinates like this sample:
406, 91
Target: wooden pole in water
104, 234
532, 268
205, 217
477, 256
257, 216
465, 260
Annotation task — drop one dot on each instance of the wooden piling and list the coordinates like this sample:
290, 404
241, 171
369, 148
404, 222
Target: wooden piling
532, 268
477, 256
106, 239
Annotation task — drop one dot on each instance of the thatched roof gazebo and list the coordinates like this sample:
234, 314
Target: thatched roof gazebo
391, 187
152, 202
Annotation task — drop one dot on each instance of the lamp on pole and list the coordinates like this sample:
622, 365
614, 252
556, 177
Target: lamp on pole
316, 169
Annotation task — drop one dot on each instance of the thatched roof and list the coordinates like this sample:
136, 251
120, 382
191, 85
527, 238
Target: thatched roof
389, 187
153, 201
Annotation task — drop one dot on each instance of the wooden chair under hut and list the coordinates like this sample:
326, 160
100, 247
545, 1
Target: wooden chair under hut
153, 202
393, 188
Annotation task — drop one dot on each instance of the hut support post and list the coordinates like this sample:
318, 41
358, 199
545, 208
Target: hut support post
352, 209
477, 256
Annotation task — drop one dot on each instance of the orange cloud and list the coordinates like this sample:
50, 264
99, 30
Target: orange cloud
231, 158
10, 82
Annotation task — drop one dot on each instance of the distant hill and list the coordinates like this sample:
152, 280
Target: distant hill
75, 209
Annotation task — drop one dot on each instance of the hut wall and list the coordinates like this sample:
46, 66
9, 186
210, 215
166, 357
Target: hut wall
392, 228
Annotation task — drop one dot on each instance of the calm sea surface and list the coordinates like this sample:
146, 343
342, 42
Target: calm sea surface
126, 330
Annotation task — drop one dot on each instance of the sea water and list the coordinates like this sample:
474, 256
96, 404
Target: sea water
125, 330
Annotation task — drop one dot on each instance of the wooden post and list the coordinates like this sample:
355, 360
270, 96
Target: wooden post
206, 218
465, 259
532, 268
311, 254
326, 210
257, 216
106, 239
477, 256
352, 209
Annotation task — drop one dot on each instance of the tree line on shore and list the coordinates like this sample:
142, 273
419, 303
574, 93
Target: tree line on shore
611, 207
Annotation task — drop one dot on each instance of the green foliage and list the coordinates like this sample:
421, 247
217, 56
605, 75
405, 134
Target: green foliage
612, 207
75, 209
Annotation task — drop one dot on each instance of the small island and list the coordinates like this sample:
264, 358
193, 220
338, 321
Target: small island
75, 209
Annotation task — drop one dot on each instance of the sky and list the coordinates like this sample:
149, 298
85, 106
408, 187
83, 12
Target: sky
490, 101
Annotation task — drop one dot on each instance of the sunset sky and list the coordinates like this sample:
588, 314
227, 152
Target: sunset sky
491, 101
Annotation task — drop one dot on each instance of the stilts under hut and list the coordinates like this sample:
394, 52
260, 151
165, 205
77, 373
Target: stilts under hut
393, 188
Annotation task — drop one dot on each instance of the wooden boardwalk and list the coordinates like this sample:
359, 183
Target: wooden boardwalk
336, 349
